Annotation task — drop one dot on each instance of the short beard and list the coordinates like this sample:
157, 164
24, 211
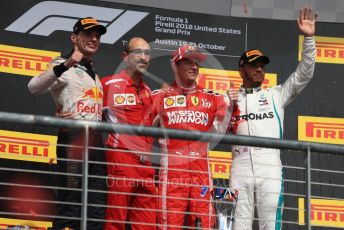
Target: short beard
252, 83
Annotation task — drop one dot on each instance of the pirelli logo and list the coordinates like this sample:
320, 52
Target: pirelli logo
220, 80
329, 49
324, 213
24, 61
321, 129
220, 164
28, 147
33, 224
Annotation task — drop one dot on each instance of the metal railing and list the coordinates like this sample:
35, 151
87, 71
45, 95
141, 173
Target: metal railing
305, 147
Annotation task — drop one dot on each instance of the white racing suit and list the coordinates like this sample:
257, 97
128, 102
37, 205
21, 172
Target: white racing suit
257, 172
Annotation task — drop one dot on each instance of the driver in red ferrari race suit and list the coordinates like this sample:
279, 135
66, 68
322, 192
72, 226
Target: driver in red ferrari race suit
185, 178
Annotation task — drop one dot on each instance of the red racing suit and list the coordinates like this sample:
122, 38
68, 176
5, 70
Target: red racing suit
185, 179
129, 166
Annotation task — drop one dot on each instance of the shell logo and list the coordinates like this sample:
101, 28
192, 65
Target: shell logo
169, 102
119, 99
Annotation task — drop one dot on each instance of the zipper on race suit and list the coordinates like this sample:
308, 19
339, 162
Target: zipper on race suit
249, 131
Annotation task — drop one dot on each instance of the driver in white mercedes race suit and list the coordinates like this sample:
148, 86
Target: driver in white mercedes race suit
257, 172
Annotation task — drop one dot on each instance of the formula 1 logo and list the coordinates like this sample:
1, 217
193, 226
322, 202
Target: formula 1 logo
46, 17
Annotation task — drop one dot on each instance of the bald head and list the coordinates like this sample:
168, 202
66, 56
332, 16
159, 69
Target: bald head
135, 42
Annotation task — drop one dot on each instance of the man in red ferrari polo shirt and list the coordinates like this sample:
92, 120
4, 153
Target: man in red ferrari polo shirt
132, 193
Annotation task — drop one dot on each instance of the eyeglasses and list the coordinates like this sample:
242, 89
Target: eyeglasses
139, 52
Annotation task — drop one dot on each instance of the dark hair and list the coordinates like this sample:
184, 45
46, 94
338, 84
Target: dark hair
126, 46
178, 62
